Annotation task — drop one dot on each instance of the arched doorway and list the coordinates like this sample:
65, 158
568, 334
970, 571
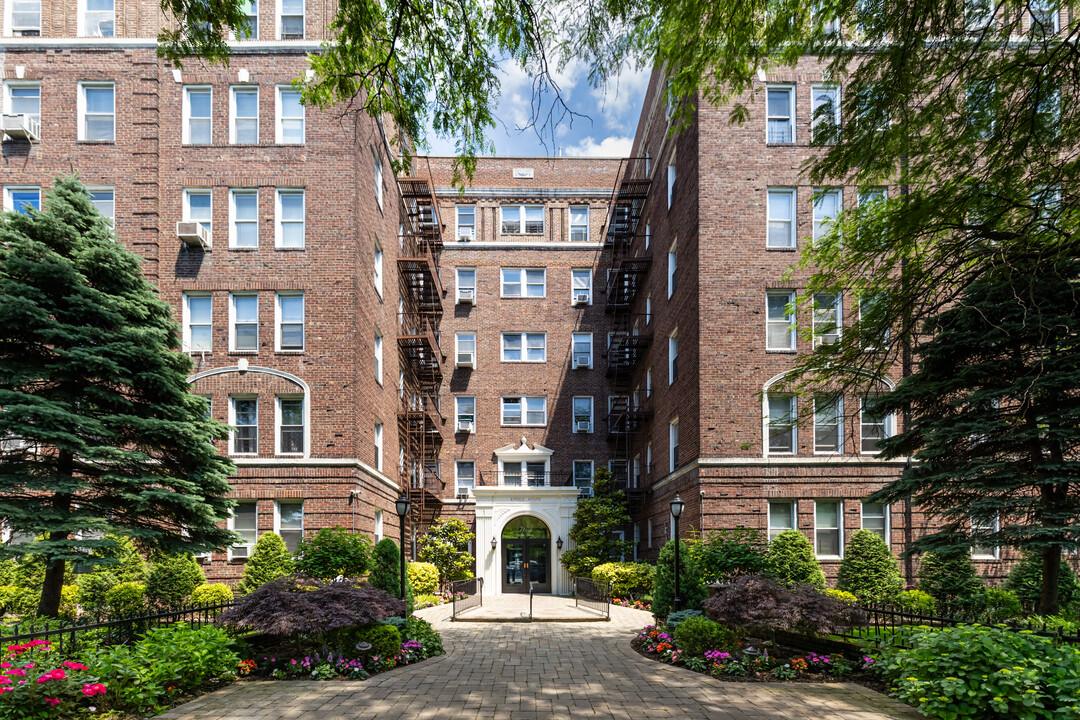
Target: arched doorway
526, 543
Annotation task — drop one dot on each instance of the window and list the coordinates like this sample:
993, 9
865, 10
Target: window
25, 18
648, 309
377, 272
290, 425
583, 414
244, 113
579, 223
827, 205
672, 269
828, 424
980, 529
244, 219
290, 116
465, 349
251, 11
1047, 111
827, 318
465, 414
583, 473
244, 318
198, 322
781, 517
782, 431
524, 347
781, 114
979, 101
873, 429
378, 178
378, 525
581, 347
871, 308
289, 522
781, 210
465, 476
97, 111
98, 18
1044, 16
648, 235
377, 437
197, 128
290, 219
825, 124
978, 14
198, 207
21, 199
104, 201
648, 382
524, 282
291, 19
524, 411
673, 356
516, 217
23, 99
466, 284
378, 357
828, 528
581, 284
290, 321
780, 320
243, 521
875, 518
466, 223
671, 177
244, 417
673, 445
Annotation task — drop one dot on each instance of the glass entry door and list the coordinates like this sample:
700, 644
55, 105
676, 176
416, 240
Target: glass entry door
526, 556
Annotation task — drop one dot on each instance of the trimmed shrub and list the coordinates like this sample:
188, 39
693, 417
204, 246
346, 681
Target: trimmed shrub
842, 596
69, 602
916, 601
1001, 605
761, 604
386, 571
1025, 579
126, 599
18, 600
677, 618
952, 581
172, 579
385, 640
424, 577
790, 559
697, 635
93, 587
626, 579
216, 594
269, 560
333, 552
691, 589
869, 570
725, 554
7, 571
125, 561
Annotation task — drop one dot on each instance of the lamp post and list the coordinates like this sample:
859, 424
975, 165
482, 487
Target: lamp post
402, 506
676, 510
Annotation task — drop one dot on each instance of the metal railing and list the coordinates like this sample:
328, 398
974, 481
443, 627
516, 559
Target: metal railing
593, 595
527, 479
473, 592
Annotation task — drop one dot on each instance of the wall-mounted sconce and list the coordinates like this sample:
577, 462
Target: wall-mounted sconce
558, 543
495, 544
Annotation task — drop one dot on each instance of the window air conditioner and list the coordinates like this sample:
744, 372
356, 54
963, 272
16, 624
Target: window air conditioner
465, 234
203, 557
21, 127
466, 359
240, 552
463, 495
194, 234
26, 32
581, 298
466, 296
465, 426
292, 35
583, 426
581, 360
586, 492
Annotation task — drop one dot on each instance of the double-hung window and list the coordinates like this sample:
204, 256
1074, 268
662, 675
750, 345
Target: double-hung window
672, 178
828, 424
780, 320
377, 268
23, 98
289, 522
981, 529
978, 14
290, 116
244, 219
25, 18
244, 112
828, 316
198, 207
289, 230
466, 223
781, 219
22, 199
524, 282
673, 445
581, 285
781, 517
291, 19
377, 440
980, 101
104, 201
1045, 18
672, 268
524, 347
875, 518
828, 528
825, 123
782, 431
465, 413
378, 173
464, 476
673, 356
251, 13
871, 306
465, 349
290, 321
583, 414
466, 285
378, 357
290, 420
579, 223
873, 429
244, 417
581, 347
97, 18
198, 322
97, 112
244, 318
583, 473
244, 522
524, 411
518, 219
197, 113
827, 206
780, 102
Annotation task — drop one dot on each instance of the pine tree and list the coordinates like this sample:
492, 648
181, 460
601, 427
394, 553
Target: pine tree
107, 436
596, 521
691, 587
173, 578
868, 570
269, 560
386, 572
790, 558
951, 579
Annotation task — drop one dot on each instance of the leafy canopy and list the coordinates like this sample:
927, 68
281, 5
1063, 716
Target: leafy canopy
332, 552
596, 521
445, 545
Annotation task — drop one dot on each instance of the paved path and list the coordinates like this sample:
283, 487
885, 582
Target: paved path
516, 671
515, 608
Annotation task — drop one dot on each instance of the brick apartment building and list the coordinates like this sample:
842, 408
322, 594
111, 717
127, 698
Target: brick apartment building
484, 352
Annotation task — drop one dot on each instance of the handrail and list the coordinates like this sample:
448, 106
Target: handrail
472, 599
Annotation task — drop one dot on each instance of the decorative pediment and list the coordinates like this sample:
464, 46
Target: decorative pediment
524, 450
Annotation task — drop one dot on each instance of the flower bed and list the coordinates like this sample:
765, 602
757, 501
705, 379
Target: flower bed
633, 604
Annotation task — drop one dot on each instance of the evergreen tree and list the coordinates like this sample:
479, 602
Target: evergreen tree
94, 388
1025, 579
790, 558
951, 579
596, 520
445, 545
173, 578
386, 571
868, 570
691, 587
269, 560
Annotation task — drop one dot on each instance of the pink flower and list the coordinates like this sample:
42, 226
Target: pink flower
74, 666
92, 690
53, 701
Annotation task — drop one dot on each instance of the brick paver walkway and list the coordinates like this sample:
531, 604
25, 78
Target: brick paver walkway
518, 671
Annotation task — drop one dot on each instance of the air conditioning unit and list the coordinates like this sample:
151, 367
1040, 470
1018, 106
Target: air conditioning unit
581, 360
582, 426
466, 296
26, 32
292, 36
240, 552
824, 340
193, 234
581, 298
465, 234
465, 426
463, 495
21, 127
586, 492
203, 557
466, 359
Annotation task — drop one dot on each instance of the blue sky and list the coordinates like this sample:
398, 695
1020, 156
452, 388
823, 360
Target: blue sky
607, 130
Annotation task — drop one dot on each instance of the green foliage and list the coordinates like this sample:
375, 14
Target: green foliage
172, 579
269, 560
333, 552
424, 577
8, 567
1025, 579
916, 601
426, 600
125, 599
69, 602
92, 589
626, 579
18, 600
596, 520
679, 617
790, 558
385, 640
216, 594
984, 673
726, 553
697, 635
386, 572
420, 630
113, 433
1001, 605
691, 589
842, 596
445, 546
869, 570
952, 581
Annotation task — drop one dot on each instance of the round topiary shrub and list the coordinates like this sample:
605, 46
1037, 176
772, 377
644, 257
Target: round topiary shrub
333, 552
790, 559
172, 579
424, 578
126, 599
626, 579
93, 587
869, 570
385, 640
269, 560
216, 594
697, 635
952, 581
691, 589
916, 601
1025, 579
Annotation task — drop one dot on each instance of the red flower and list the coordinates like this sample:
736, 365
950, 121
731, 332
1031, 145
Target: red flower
92, 690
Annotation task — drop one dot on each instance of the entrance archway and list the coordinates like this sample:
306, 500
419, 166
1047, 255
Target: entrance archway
526, 543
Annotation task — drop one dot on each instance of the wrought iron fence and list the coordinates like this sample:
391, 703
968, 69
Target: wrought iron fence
71, 636
593, 595
467, 594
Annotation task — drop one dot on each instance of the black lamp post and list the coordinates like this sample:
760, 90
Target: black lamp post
402, 505
676, 510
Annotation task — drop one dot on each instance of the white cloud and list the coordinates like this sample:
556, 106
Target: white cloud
608, 147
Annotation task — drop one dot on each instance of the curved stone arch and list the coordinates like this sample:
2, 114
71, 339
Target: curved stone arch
299, 382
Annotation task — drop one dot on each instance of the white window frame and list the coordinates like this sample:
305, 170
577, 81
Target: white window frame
377, 345
673, 445
574, 474
672, 268
82, 28
278, 399
672, 181
279, 130
232, 321
524, 337
576, 274
522, 282
793, 404
377, 268
460, 489
792, 194
839, 529
459, 225
579, 226
96, 189
772, 530
199, 192
377, 441
790, 90
279, 321
673, 357
870, 299
232, 421
819, 318
886, 520
573, 413
377, 171
279, 218
251, 12
468, 336
459, 285
789, 320
233, 117
522, 211
648, 382
994, 526
1050, 6
187, 320
575, 338
817, 90
839, 400
459, 414
821, 222
378, 528
523, 401
234, 220
9, 21
186, 131
886, 424
83, 87
255, 530
280, 14
9, 195
277, 515
10, 85
648, 309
